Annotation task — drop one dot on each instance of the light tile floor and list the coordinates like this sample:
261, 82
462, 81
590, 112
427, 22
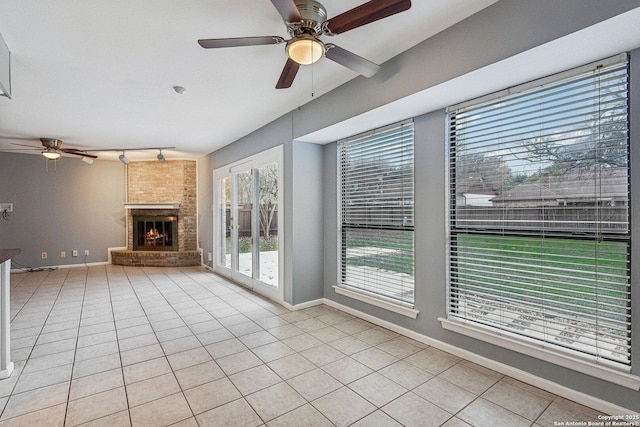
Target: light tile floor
121, 346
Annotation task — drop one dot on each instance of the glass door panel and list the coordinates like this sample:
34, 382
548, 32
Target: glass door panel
268, 220
247, 230
224, 222
244, 224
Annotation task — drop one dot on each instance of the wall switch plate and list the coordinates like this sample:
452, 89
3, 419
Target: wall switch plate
74, 252
63, 254
6, 207
43, 255
210, 256
86, 252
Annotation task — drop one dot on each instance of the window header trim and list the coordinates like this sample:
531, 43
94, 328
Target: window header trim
622, 57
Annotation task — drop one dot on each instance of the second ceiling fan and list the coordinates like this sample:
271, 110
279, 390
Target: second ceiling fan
306, 21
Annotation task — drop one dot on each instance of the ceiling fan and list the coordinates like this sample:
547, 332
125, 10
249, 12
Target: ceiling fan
52, 149
306, 21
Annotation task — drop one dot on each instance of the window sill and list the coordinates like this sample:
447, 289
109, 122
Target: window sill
611, 373
377, 301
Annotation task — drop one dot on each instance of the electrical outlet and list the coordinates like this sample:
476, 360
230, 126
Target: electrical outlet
43, 255
86, 252
210, 256
74, 252
6, 207
63, 254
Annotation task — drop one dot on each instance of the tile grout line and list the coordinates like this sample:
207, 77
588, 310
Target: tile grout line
193, 415
115, 327
73, 363
155, 292
35, 343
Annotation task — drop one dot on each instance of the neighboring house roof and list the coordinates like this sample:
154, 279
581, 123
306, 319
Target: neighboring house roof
577, 185
480, 189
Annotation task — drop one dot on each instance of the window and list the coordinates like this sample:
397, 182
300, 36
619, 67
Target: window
376, 213
539, 214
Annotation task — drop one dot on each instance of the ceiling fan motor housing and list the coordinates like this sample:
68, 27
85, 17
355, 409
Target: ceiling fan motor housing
313, 15
51, 143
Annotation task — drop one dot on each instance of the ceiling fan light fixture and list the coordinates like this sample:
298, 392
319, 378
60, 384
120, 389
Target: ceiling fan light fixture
51, 154
305, 49
123, 159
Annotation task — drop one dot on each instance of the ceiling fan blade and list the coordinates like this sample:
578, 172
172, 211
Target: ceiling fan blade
18, 138
78, 153
288, 74
288, 10
25, 145
351, 60
365, 14
239, 41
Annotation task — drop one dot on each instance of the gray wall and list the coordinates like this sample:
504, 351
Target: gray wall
306, 218
431, 266
505, 29
302, 197
500, 31
76, 206
275, 134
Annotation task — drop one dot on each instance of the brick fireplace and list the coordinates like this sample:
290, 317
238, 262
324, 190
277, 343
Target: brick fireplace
158, 193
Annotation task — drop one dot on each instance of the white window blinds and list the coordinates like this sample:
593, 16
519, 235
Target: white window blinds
539, 214
376, 212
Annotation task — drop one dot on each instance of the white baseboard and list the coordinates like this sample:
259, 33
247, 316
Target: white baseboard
526, 377
55, 267
302, 305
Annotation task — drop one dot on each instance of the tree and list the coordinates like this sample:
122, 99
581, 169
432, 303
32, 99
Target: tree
597, 141
267, 193
268, 181
480, 172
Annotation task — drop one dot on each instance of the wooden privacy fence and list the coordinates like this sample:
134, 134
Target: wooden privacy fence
606, 219
244, 222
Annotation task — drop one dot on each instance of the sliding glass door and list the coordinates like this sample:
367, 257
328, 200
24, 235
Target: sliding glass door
247, 224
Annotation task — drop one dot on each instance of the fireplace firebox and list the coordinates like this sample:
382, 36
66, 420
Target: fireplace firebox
155, 233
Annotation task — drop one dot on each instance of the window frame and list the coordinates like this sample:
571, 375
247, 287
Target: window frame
361, 293
614, 372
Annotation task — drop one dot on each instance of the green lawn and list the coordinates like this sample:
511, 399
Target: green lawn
536, 270
397, 262
245, 243
396, 249
528, 270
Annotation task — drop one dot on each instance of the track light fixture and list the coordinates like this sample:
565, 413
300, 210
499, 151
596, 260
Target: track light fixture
87, 160
123, 159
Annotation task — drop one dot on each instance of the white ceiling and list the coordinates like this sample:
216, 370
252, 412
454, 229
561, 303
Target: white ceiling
99, 74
